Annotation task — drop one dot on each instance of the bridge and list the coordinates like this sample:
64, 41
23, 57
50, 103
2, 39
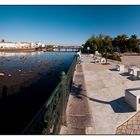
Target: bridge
66, 49
63, 49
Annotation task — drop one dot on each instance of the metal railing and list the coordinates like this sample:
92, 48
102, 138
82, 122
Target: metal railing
52, 114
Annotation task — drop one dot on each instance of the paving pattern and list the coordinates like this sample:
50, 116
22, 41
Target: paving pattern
106, 90
77, 114
131, 60
131, 126
100, 99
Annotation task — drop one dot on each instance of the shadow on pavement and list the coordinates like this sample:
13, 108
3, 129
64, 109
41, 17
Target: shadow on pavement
118, 105
92, 61
132, 78
124, 74
133, 89
113, 69
76, 90
121, 106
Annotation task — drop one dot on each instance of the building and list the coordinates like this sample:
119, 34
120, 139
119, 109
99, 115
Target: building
43, 45
37, 44
8, 45
32, 45
24, 44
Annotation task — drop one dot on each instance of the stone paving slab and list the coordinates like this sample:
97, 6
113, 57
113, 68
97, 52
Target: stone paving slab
131, 126
105, 92
78, 115
104, 100
72, 131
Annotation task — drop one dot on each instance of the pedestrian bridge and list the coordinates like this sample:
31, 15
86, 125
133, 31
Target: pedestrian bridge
67, 49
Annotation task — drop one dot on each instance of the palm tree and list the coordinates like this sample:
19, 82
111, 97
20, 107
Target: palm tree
120, 41
133, 43
92, 43
106, 46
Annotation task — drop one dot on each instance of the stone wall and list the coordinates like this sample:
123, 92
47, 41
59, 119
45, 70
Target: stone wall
131, 126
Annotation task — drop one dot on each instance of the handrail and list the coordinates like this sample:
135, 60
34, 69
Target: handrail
38, 115
51, 96
42, 123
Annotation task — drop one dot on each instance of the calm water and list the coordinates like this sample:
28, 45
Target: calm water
29, 79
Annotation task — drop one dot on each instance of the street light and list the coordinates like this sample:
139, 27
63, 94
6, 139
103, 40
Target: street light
139, 47
88, 48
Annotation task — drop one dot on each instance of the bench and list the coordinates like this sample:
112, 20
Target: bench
120, 67
133, 71
138, 73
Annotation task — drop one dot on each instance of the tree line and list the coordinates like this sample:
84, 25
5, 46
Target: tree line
106, 44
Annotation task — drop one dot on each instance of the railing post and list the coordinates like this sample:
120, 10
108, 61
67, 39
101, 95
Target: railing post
63, 80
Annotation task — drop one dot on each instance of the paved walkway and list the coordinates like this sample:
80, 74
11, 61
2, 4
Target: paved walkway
102, 94
77, 114
105, 90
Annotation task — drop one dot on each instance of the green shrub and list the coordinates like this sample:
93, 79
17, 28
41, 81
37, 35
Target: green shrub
114, 57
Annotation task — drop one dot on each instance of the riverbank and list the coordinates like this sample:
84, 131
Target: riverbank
18, 50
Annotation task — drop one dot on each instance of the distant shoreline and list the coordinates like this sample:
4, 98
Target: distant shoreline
18, 50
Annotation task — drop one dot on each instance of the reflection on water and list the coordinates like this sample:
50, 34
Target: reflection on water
28, 81
7, 54
35, 61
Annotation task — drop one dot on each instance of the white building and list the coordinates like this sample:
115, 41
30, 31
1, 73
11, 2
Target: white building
43, 45
37, 44
32, 45
8, 45
24, 44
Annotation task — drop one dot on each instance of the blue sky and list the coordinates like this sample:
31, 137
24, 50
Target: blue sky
67, 25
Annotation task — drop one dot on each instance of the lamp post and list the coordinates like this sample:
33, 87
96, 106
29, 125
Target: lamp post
139, 47
88, 48
105, 48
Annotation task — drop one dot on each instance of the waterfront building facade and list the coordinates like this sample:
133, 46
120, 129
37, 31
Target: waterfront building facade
24, 44
7, 44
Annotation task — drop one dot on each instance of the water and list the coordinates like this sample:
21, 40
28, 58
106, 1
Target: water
29, 79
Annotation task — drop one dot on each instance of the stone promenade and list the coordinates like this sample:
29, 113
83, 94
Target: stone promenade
77, 114
99, 98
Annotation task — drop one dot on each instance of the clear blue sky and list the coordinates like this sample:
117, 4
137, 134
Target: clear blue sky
68, 25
